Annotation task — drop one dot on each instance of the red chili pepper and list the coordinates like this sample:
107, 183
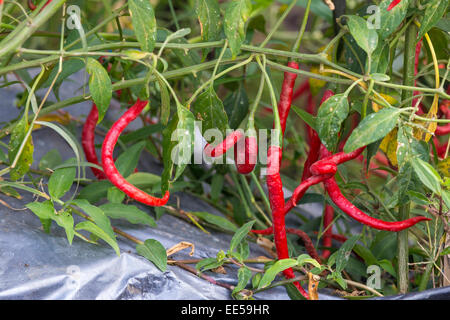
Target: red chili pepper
287, 90
246, 154
226, 144
309, 246
108, 162
393, 4
87, 141
328, 227
350, 209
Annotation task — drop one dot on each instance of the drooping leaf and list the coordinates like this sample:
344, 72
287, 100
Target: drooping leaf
244, 275
208, 14
100, 233
185, 138
277, 267
428, 175
209, 110
434, 11
153, 251
366, 38
372, 128
100, 86
25, 159
329, 119
144, 23
344, 252
236, 14
128, 212
240, 235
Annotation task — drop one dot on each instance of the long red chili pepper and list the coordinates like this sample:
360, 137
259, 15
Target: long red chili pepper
32, 6
328, 217
287, 89
393, 4
87, 141
108, 162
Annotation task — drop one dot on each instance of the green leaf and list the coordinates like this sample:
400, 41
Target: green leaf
388, 267
95, 191
128, 160
44, 210
365, 253
144, 180
366, 38
209, 109
244, 276
306, 258
114, 195
329, 118
153, 251
50, 160
445, 252
236, 14
380, 58
208, 14
100, 86
236, 106
216, 186
97, 214
372, 128
65, 220
428, 175
185, 138
165, 101
25, 160
144, 23
272, 272
215, 220
240, 235
97, 231
390, 20
434, 11
305, 116
141, 133
168, 146
380, 77
60, 181
128, 212
208, 264
344, 252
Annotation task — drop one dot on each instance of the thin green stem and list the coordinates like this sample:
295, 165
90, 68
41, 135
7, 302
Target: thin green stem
296, 46
366, 100
278, 23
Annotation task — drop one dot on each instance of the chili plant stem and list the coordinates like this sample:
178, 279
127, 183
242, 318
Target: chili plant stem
298, 41
404, 210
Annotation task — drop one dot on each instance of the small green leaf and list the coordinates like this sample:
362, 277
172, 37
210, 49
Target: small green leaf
165, 101
390, 20
208, 264
209, 109
185, 138
128, 212
366, 38
329, 118
244, 275
100, 86
60, 181
344, 252
388, 267
272, 272
305, 116
445, 252
144, 23
306, 258
372, 128
153, 251
25, 160
240, 235
215, 220
428, 175
97, 214
44, 210
208, 14
236, 14
114, 195
434, 11
380, 77
97, 231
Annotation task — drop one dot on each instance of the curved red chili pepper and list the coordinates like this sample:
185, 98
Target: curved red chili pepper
87, 141
33, 7
226, 144
108, 162
246, 154
351, 210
